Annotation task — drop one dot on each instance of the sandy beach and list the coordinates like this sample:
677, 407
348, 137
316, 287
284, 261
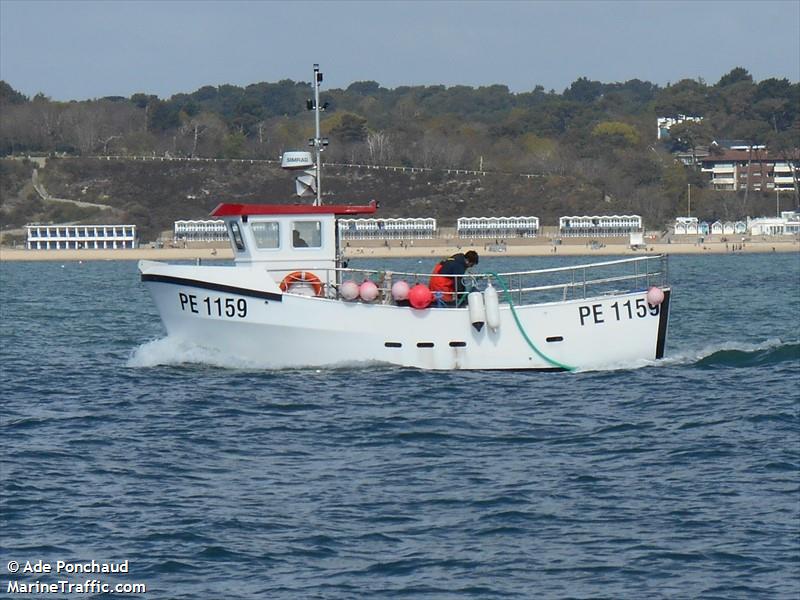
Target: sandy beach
420, 249
570, 248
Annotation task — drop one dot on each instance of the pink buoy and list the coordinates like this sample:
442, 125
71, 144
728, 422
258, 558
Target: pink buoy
400, 291
655, 296
420, 296
349, 290
368, 291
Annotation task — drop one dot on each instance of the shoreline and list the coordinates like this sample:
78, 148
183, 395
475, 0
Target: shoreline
419, 250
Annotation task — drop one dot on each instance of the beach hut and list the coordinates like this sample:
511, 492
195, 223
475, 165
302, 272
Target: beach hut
387, 229
81, 237
599, 225
200, 230
684, 225
497, 227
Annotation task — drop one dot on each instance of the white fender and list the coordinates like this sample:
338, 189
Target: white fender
477, 312
492, 304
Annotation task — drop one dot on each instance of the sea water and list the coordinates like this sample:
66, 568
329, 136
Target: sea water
216, 479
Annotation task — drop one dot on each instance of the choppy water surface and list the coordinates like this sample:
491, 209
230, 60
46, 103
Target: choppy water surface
217, 480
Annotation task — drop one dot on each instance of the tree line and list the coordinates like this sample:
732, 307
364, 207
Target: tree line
421, 125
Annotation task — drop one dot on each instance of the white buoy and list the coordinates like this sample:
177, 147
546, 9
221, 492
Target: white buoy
349, 290
492, 304
477, 311
400, 290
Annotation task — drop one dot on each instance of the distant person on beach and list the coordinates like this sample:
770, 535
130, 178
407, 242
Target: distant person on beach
451, 287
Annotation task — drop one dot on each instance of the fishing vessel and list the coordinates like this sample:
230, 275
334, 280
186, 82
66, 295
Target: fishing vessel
289, 300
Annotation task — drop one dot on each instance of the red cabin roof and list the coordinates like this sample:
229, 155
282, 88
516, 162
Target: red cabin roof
225, 209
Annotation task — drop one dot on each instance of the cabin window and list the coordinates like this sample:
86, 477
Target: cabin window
266, 234
306, 234
236, 236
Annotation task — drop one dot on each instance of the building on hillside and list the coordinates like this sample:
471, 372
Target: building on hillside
697, 154
387, 229
497, 227
80, 237
200, 230
736, 145
787, 224
665, 123
692, 158
599, 226
734, 170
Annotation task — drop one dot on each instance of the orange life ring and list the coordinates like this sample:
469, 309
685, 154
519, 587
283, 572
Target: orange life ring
302, 277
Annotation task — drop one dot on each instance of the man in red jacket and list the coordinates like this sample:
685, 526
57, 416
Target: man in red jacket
449, 289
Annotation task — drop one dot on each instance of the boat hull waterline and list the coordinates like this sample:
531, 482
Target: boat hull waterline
218, 307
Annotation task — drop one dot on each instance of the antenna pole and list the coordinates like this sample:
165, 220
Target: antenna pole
317, 138
689, 202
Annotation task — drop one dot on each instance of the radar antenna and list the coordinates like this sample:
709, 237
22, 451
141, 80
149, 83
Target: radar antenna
308, 183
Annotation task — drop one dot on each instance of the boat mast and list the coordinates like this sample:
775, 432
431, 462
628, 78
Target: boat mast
318, 142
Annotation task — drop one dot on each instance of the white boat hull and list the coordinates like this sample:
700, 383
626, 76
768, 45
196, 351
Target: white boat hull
219, 307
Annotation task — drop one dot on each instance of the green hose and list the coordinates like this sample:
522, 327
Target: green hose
553, 362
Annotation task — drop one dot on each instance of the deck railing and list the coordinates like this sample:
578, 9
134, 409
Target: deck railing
527, 287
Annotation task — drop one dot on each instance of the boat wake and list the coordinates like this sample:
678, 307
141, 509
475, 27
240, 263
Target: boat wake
771, 352
721, 355
175, 352
169, 351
